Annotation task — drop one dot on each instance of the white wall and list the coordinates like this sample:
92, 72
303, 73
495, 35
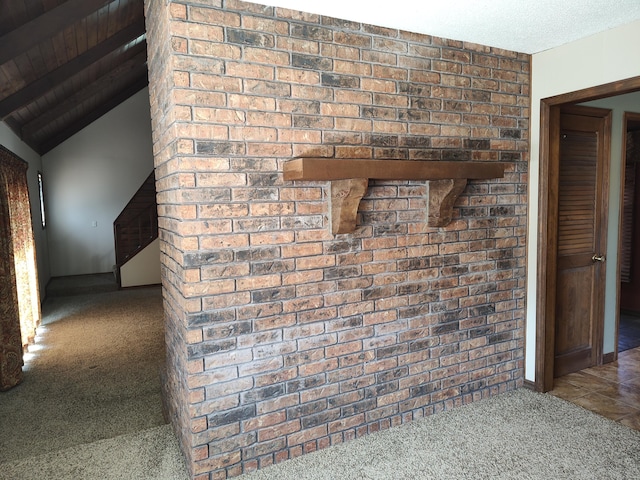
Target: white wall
90, 178
11, 141
596, 60
144, 268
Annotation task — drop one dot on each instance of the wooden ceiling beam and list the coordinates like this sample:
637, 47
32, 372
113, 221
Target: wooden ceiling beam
45, 84
51, 142
45, 26
138, 62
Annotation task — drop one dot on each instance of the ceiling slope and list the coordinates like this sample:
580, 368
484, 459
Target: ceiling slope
63, 64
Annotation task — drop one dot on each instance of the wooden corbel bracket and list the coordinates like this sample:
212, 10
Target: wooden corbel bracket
350, 177
345, 198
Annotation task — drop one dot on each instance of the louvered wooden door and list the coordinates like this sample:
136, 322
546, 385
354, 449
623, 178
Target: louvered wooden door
582, 223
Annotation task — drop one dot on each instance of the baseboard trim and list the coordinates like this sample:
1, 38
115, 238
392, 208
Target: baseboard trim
609, 357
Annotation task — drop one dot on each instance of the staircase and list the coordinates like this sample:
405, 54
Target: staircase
137, 225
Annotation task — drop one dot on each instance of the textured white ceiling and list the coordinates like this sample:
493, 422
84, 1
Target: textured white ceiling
527, 26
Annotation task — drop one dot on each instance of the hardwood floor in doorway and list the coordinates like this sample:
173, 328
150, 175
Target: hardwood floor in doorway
611, 390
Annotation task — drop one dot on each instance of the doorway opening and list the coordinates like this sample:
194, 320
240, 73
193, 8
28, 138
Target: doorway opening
547, 236
629, 324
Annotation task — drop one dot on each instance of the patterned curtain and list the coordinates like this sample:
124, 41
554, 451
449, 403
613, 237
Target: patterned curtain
19, 294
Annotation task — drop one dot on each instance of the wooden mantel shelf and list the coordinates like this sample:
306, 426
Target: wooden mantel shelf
350, 178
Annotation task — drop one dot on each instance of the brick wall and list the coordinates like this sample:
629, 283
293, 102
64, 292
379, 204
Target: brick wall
282, 338
165, 147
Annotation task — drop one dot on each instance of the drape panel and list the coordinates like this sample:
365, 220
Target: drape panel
20, 298
10, 343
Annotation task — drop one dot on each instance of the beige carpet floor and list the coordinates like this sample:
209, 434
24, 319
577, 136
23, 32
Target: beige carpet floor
515, 435
93, 411
94, 375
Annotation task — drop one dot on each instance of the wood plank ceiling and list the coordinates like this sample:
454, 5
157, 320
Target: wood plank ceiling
63, 64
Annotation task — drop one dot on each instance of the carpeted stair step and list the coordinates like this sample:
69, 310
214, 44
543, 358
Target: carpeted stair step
151, 454
82, 284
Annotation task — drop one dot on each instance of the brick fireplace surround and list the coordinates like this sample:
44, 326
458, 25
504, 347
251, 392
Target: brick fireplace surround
281, 337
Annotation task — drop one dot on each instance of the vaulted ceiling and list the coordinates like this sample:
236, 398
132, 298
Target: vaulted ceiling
63, 64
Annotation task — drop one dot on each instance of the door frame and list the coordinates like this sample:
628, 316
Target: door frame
547, 232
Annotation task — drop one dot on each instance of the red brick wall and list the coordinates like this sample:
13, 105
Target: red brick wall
282, 338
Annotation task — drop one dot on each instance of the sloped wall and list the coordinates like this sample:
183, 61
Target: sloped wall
282, 338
